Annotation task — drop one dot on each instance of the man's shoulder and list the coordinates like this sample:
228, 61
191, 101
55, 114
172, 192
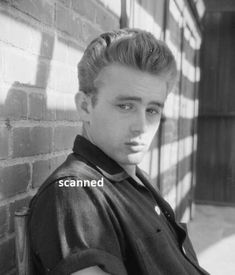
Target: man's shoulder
74, 176
73, 167
76, 166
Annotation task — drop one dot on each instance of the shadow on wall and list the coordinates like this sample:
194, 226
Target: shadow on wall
30, 101
38, 122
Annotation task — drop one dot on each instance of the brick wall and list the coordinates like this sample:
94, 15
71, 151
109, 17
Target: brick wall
41, 42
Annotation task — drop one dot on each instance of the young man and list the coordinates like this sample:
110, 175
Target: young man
98, 213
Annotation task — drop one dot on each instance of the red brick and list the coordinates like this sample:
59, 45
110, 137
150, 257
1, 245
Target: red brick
31, 141
13, 31
61, 78
38, 108
38, 9
22, 68
66, 3
47, 45
15, 206
86, 8
62, 18
7, 256
69, 115
16, 104
74, 56
1, 57
66, 108
27, 38
57, 161
60, 50
89, 32
14, 179
64, 137
68, 22
75, 27
43, 168
26, 69
3, 220
115, 6
42, 74
106, 20
4, 136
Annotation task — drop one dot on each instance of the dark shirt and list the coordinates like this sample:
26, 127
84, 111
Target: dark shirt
115, 226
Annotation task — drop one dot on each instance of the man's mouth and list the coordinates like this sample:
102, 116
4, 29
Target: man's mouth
134, 143
135, 146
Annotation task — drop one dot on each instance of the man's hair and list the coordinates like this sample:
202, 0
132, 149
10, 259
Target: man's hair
133, 48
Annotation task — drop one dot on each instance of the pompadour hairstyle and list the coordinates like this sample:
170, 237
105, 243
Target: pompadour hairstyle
133, 48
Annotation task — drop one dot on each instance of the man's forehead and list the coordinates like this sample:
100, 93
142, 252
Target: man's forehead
116, 70
129, 82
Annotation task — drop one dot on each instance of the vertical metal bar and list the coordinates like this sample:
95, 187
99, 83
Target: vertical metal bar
22, 242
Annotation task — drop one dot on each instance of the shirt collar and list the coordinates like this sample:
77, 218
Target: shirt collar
107, 166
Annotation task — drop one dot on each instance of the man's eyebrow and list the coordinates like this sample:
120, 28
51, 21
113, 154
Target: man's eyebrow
138, 99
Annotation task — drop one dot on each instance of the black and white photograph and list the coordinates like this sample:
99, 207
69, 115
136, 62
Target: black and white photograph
117, 137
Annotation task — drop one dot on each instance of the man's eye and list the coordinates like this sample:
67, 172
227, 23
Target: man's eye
125, 107
153, 112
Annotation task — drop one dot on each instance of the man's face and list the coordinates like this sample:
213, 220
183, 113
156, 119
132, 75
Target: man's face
127, 113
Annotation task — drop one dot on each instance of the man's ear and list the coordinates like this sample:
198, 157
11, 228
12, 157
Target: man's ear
84, 105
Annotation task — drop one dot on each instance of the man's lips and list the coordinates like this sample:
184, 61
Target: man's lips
135, 146
134, 143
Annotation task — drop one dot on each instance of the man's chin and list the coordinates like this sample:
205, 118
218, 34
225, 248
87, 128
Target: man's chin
135, 159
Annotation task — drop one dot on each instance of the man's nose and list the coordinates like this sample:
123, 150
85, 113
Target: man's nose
139, 123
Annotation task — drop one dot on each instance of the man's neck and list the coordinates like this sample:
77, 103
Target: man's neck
130, 169
86, 134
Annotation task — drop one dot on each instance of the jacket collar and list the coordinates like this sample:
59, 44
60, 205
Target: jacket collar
107, 166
